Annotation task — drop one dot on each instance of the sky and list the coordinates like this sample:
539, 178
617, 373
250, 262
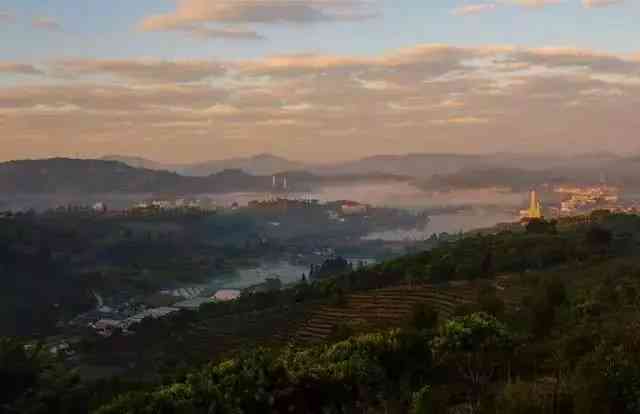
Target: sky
317, 80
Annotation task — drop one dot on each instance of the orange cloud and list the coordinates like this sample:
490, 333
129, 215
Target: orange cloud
195, 16
435, 97
19, 68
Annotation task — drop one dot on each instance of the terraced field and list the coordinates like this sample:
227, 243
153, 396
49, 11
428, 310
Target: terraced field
392, 306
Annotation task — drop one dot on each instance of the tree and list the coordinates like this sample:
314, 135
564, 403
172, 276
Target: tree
20, 368
422, 401
598, 237
487, 264
540, 226
489, 301
424, 317
478, 345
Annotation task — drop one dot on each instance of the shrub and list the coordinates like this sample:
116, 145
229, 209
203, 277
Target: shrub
423, 317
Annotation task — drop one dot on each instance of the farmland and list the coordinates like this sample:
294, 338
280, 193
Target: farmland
392, 306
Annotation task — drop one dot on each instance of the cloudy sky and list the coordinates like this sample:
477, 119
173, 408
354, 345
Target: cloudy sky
193, 80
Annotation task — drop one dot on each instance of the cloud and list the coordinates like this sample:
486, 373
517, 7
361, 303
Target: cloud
466, 120
206, 32
600, 3
574, 58
532, 3
195, 16
474, 9
46, 23
146, 70
429, 96
543, 3
479, 8
425, 59
19, 69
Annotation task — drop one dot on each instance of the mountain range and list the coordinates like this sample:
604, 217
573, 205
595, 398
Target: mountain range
262, 164
418, 165
119, 174
90, 176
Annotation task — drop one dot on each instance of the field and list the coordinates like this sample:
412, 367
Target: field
392, 306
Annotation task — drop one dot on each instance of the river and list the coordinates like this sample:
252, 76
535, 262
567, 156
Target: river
244, 277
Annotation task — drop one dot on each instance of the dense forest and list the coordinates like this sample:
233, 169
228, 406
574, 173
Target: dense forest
51, 263
570, 343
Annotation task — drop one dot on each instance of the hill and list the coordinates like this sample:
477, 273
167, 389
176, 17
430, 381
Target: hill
140, 162
511, 322
63, 175
431, 170
515, 179
262, 164
426, 165
87, 176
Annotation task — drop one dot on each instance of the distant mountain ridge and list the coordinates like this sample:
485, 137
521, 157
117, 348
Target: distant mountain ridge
90, 176
423, 166
435, 171
261, 164
65, 175
140, 162
416, 165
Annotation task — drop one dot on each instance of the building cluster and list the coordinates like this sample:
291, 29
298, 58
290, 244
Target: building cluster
585, 199
107, 320
107, 326
99, 208
281, 204
580, 202
176, 204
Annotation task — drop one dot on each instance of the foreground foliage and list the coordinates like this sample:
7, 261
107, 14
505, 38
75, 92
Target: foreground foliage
572, 345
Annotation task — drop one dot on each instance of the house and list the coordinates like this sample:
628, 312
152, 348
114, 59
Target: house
226, 295
353, 208
106, 327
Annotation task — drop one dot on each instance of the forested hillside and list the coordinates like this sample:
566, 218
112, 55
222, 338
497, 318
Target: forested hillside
64, 175
540, 321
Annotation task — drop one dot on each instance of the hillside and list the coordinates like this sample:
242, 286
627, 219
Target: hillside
88, 176
515, 179
262, 164
427, 165
140, 162
63, 175
393, 306
534, 321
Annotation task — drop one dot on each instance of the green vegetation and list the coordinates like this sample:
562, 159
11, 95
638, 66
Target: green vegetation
527, 322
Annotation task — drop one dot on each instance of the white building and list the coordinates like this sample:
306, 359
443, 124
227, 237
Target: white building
99, 207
